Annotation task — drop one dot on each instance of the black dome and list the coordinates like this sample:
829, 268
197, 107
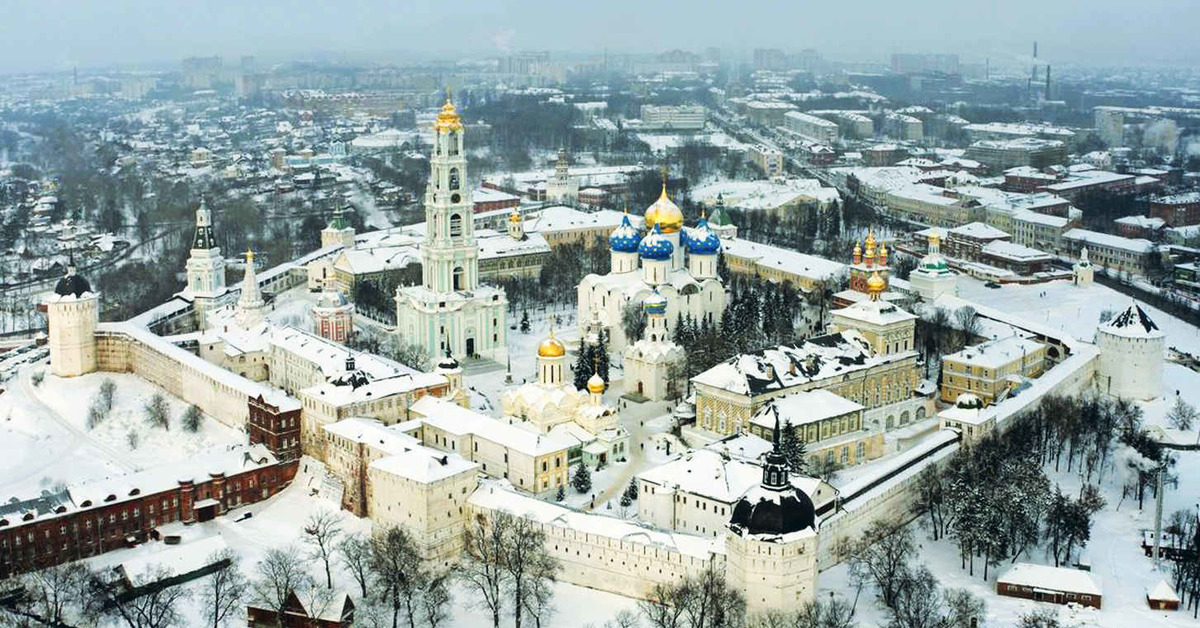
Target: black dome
773, 511
72, 284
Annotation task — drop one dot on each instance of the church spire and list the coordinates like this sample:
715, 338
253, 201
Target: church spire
250, 303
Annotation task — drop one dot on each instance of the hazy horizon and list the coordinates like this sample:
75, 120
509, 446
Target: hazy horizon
60, 34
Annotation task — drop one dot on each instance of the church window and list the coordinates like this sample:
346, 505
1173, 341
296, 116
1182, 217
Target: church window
454, 179
456, 225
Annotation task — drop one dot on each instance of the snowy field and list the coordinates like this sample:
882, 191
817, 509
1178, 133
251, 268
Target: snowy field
1117, 560
46, 441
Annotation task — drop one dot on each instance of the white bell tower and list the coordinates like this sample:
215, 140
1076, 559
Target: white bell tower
205, 266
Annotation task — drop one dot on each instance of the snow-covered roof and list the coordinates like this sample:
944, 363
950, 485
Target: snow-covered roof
803, 408
979, 231
765, 195
1136, 245
560, 218
495, 495
995, 353
714, 476
1162, 592
874, 312
785, 366
1051, 578
1014, 251
454, 419
1134, 322
787, 260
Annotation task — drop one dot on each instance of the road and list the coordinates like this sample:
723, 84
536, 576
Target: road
637, 435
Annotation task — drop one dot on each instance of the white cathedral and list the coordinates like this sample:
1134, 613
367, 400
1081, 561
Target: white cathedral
679, 264
450, 310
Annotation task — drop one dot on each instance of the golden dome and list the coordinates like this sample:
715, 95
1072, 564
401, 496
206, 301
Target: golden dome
870, 239
883, 251
448, 120
551, 348
934, 238
876, 284
664, 213
514, 216
857, 249
595, 384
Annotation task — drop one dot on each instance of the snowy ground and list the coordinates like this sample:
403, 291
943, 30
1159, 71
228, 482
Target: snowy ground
1114, 552
45, 441
275, 523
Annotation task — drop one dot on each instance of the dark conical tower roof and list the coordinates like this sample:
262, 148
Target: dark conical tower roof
775, 507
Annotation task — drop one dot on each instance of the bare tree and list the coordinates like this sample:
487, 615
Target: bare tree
624, 618
321, 531
145, 605
917, 601
280, 574
396, 564
967, 323
224, 591
486, 544
664, 607
530, 569
50, 594
355, 552
704, 600
884, 553
435, 601
1182, 415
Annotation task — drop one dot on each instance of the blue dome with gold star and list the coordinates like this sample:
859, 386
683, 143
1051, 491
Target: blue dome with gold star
655, 303
625, 238
702, 240
656, 246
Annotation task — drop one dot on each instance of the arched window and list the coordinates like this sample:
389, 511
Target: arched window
458, 278
452, 143
454, 182
456, 225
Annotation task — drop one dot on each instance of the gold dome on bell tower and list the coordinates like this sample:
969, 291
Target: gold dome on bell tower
448, 118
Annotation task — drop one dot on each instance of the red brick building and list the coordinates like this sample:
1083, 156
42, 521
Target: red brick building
1177, 210
277, 426
337, 613
101, 516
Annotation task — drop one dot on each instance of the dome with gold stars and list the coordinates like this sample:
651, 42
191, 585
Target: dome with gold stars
448, 119
664, 213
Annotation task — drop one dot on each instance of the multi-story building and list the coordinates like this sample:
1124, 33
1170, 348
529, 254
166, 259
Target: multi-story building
1112, 252
770, 160
991, 369
811, 127
831, 427
1177, 210
91, 518
673, 117
533, 461
904, 127
1001, 155
695, 491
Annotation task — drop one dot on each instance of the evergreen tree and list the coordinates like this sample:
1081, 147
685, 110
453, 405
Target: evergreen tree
192, 418
793, 449
632, 489
525, 322
583, 366
156, 411
600, 356
561, 494
582, 480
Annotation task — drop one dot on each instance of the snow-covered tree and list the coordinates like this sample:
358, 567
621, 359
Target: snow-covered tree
192, 418
1182, 415
157, 411
582, 480
793, 449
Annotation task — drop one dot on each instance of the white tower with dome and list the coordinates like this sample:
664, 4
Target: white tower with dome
677, 262
932, 277
649, 361
451, 309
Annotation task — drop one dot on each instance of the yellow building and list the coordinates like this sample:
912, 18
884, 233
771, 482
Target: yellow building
990, 369
831, 427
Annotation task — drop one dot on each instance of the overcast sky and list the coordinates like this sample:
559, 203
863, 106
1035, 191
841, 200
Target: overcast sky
59, 34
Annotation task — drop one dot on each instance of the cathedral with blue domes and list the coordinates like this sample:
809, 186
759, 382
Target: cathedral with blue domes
677, 262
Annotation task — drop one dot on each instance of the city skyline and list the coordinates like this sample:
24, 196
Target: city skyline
62, 34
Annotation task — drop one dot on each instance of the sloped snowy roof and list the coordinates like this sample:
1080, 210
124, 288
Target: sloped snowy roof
454, 419
1051, 578
1132, 323
778, 368
1162, 591
803, 408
